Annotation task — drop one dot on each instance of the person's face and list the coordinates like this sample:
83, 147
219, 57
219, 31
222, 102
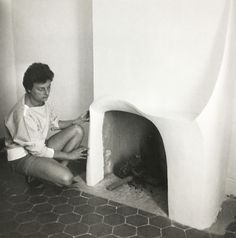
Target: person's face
40, 92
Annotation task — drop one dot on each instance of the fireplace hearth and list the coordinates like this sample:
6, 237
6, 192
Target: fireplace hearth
136, 154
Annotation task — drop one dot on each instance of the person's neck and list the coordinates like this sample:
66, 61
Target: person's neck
32, 102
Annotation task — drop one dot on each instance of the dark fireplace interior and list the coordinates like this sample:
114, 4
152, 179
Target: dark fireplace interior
136, 154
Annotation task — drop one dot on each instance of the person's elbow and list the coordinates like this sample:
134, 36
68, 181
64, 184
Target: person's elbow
40, 151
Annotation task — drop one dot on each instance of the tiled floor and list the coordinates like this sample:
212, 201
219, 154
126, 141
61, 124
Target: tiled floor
67, 212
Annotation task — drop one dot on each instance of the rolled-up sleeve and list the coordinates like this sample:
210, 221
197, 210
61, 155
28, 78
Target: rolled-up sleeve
38, 148
28, 136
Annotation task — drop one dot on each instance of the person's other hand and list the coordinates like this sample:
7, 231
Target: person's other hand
80, 153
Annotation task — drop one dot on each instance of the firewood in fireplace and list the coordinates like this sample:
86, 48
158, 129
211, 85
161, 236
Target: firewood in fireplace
138, 167
119, 183
124, 167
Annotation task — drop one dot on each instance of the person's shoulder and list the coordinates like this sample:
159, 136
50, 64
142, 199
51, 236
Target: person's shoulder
18, 111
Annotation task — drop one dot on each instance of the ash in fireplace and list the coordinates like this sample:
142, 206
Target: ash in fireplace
135, 173
142, 176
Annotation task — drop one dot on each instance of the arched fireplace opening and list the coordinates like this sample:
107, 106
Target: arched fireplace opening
134, 152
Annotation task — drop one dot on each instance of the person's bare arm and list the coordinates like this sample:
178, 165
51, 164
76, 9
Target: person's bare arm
78, 121
65, 124
80, 153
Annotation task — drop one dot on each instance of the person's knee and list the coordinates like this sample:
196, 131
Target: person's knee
66, 179
78, 131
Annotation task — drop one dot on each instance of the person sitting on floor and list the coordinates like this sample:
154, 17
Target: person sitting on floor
29, 150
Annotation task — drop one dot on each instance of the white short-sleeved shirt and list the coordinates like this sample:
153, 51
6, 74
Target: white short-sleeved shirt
27, 130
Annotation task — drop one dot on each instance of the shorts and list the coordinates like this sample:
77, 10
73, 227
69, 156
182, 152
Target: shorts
23, 164
42, 168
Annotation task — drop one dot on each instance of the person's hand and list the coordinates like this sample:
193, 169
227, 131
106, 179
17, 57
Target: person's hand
84, 117
80, 153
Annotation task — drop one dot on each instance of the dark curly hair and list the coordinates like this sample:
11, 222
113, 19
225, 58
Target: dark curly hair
36, 73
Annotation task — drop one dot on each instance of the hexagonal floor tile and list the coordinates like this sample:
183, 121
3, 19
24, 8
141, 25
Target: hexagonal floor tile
84, 209
22, 207
8, 226
114, 219
91, 219
105, 210
69, 218
26, 216
97, 201
7, 216
71, 193
124, 230
77, 229
173, 232
193, 233
148, 231
38, 199
42, 208
12, 235
160, 221
52, 228
29, 227
126, 210
57, 200
18, 198
77, 201
63, 209
61, 235
100, 230
46, 217
137, 220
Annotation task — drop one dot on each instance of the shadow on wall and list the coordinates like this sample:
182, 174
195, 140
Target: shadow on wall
212, 67
85, 58
7, 64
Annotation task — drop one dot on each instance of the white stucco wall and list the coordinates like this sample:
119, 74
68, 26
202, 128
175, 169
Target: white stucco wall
169, 51
7, 62
58, 33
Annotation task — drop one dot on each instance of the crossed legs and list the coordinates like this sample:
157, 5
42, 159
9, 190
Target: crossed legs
51, 170
67, 139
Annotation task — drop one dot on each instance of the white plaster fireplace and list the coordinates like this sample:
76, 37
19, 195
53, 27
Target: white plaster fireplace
170, 62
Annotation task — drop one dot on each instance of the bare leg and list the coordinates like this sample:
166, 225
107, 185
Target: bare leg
50, 170
67, 140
